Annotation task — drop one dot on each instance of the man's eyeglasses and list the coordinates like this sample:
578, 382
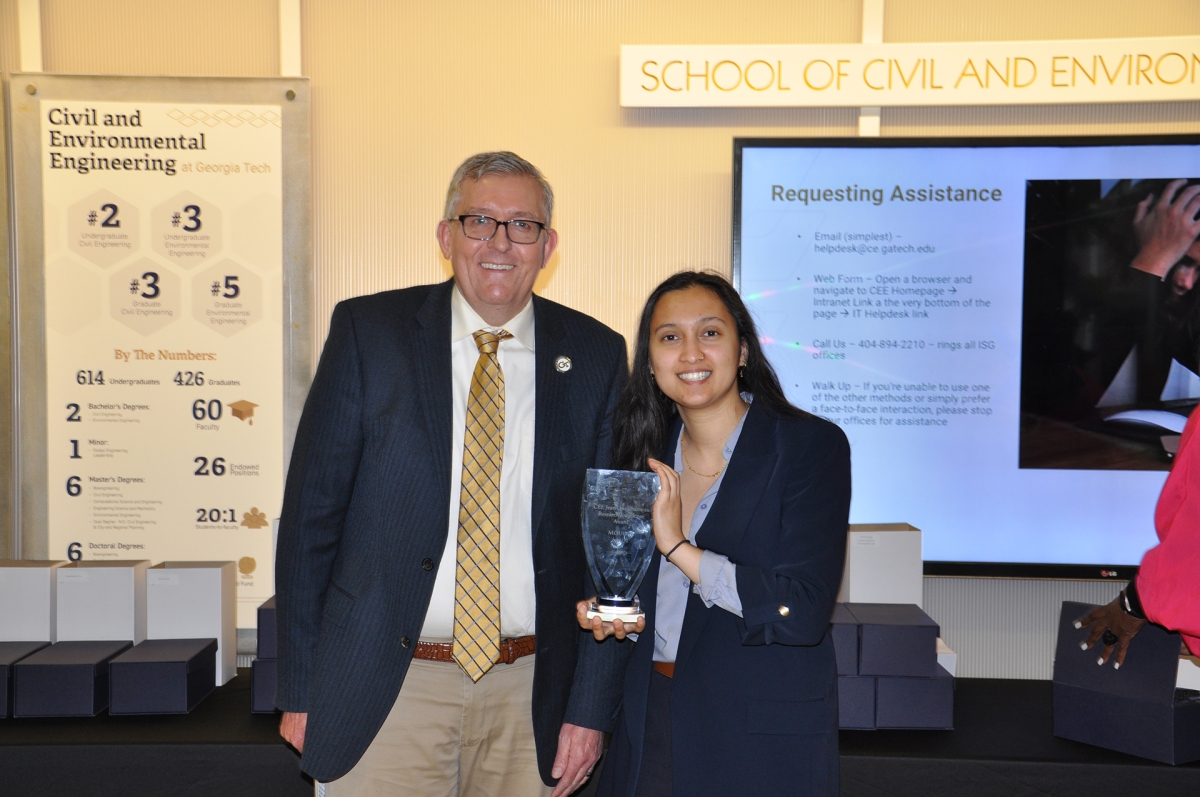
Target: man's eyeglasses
519, 231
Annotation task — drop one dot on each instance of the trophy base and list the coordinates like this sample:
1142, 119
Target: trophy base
629, 612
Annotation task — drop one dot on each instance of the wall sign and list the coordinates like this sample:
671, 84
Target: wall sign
943, 73
164, 291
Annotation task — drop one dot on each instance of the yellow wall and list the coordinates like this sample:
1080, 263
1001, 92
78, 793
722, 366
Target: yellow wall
8, 61
643, 192
153, 37
8, 36
403, 91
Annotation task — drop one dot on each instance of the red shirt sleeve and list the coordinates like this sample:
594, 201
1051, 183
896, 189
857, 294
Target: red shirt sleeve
1169, 580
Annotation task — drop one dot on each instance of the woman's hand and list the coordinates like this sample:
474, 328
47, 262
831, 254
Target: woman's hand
1111, 617
668, 523
602, 630
668, 508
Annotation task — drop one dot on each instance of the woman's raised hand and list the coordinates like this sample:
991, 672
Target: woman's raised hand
668, 508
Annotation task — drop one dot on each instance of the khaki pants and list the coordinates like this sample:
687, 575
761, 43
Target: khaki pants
447, 736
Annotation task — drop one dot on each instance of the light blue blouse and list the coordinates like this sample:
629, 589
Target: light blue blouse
718, 576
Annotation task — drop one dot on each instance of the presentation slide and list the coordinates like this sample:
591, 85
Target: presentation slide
1007, 334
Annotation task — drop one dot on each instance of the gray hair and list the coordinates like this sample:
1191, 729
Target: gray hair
478, 166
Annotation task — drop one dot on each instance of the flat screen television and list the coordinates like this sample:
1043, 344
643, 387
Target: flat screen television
1006, 329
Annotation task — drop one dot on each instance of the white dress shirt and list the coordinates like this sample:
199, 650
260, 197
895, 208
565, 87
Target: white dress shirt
517, 600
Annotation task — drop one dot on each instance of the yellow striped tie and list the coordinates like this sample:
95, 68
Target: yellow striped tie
477, 583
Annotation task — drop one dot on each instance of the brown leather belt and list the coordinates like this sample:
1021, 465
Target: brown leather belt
667, 668
511, 649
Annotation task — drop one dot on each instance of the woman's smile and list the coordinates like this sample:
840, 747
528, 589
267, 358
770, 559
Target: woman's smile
694, 376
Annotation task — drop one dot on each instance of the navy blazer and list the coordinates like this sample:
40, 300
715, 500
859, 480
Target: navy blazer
366, 516
754, 698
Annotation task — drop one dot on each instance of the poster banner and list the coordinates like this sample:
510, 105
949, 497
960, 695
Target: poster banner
1161, 69
164, 343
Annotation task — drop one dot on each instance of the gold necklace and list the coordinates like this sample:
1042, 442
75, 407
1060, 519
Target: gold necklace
693, 470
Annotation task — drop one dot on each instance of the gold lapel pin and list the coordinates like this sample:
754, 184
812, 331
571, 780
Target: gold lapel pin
563, 364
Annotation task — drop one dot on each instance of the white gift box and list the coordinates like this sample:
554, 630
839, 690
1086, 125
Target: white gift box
195, 600
28, 590
102, 600
1188, 676
883, 564
947, 658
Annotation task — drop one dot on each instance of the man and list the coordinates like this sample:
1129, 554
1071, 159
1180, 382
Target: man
430, 538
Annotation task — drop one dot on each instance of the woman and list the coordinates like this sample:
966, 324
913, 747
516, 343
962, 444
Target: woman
732, 686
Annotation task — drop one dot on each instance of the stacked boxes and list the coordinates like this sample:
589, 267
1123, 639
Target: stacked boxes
28, 620
888, 671
100, 612
195, 600
856, 694
263, 670
81, 637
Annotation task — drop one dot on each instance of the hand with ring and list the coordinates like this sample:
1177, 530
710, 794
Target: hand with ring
1113, 626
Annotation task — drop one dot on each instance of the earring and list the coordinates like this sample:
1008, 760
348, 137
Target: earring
741, 372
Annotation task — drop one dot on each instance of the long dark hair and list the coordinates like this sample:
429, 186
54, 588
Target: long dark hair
644, 412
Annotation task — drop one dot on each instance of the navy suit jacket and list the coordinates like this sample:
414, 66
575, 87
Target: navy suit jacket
754, 698
366, 516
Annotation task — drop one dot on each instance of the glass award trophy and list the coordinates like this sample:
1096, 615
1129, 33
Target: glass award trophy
618, 536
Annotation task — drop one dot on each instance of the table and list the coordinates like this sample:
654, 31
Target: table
218, 749
1002, 746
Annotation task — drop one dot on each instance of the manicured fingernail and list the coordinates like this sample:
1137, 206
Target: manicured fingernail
1083, 646
1078, 625
1117, 666
1100, 660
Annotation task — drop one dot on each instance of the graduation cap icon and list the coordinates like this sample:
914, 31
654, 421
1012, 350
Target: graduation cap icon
243, 410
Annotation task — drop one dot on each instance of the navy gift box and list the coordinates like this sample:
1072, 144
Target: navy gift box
10, 654
162, 676
856, 702
263, 668
262, 686
888, 675
1135, 709
896, 639
845, 639
924, 703
266, 629
66, 679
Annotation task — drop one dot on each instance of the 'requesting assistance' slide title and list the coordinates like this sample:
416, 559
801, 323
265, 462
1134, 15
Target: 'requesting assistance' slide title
876, 196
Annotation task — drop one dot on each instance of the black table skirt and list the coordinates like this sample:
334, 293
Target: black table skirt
218, 749
1003, 745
